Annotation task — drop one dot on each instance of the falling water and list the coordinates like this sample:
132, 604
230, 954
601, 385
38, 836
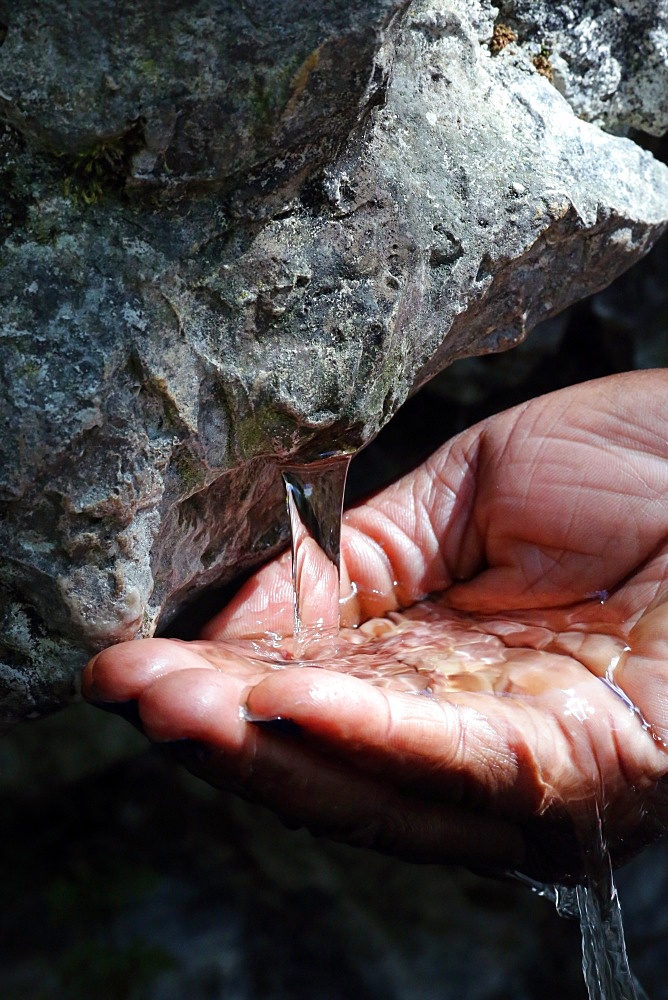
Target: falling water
595, 904
604, 961
314, 497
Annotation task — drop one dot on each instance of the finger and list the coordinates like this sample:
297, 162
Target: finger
643, 673
196, 704
527, 507
514, 756
408, 541
120, 673
429, 745
558, 515
263, 604
309, 790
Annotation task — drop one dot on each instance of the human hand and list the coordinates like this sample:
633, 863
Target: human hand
545, 532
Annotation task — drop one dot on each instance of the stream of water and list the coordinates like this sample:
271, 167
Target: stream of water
595, 904
604, 960
605, 963
417, 652
314, 497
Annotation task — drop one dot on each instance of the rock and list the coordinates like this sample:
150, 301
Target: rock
238, 232
608, 60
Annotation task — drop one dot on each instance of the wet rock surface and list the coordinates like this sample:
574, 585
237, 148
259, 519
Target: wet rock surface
233, 232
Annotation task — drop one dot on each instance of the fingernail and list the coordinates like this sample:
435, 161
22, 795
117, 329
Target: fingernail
91, 663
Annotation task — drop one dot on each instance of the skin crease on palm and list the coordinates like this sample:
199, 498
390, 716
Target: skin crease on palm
543, 533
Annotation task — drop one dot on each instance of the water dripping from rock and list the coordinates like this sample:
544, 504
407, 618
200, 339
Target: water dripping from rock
314, 496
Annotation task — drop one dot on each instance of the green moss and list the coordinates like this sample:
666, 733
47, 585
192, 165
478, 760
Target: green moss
96, 968
189, 475
92, 963
541, 62
262, 101
270, 93
265, 432
30, 369
87, 898
150, 69
104, 167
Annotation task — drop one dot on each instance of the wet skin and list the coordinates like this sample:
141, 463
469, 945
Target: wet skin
544, 531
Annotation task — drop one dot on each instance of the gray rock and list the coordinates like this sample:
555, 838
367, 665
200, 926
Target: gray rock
238, 232
608, 59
